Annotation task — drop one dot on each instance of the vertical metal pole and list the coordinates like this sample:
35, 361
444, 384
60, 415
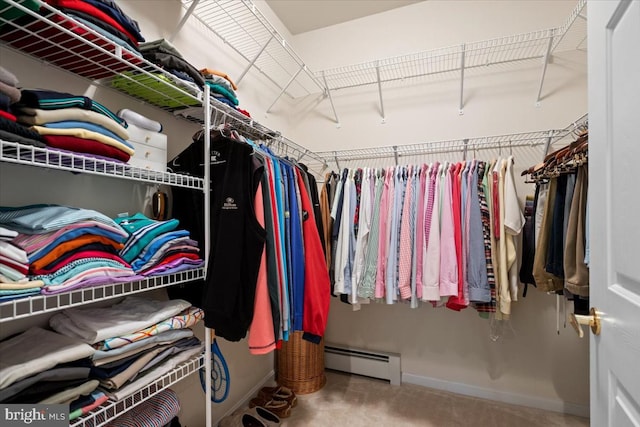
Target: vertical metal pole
207, 243
544, 66
184, 19
464, 152
335, 157
253, 61
395, 154
284, 89
380, 92
462, 55
328, 92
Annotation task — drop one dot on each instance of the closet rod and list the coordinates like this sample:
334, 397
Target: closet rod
481, 143
255, 131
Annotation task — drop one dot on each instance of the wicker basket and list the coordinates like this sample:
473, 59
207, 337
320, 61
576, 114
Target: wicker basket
300, 365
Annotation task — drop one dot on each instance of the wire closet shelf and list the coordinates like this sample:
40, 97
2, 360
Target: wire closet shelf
13, 152
25, 307
465, 56
53, 37
112, 409
241, 26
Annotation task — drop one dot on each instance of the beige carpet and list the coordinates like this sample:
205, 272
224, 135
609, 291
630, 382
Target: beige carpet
353, 401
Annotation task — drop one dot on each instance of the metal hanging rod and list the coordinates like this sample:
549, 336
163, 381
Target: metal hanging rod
507, 141
249, 128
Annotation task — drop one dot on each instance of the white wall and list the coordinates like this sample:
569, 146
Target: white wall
548, 369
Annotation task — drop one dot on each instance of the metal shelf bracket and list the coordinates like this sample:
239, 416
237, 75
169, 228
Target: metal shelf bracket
327, 91
461, 104
544, 65
384, 120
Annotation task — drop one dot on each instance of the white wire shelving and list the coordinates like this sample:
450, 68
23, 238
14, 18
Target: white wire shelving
55, 38
13, 152
464, 146
38, 304
240, 25
106, 412
245, 29
536, 45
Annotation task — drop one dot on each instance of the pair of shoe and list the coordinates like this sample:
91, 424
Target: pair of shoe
252, 417
278, 400
279, 393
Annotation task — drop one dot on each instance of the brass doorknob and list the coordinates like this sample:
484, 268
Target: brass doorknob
593, 320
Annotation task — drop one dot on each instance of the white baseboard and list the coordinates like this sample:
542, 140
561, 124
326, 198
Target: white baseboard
244, 401
500, 396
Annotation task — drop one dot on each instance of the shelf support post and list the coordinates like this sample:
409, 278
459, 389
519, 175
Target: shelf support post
253, 61
335, 157
547, 145
544, 65
184, 19
380, 92
395, 154
284, 89
466, 147
328, 92
462, 55
207, 242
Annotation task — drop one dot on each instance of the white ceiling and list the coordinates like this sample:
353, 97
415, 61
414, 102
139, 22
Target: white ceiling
300, 16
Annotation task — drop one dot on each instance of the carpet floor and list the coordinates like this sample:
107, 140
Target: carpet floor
354, 401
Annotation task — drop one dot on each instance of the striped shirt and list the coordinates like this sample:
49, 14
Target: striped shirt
366, 286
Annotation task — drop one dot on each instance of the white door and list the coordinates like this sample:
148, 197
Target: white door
614, 203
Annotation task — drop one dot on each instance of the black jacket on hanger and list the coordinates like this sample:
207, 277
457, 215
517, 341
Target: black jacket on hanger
237, 239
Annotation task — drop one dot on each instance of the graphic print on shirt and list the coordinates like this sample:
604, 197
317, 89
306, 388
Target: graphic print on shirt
229, 203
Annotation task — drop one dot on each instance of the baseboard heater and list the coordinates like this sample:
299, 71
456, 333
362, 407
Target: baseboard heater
363, 362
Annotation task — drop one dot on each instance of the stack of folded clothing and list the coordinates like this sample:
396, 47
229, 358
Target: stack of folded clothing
37, 367
14, 267
9, 92
104, 17
135, 341
9, 129
86, 403
158, 410
163, 54
158, 247
67, 248
75, 123
222, 87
